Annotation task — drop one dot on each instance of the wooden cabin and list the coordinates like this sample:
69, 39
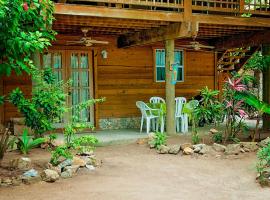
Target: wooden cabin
208, 37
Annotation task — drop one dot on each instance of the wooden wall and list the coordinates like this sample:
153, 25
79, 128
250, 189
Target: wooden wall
127, 75
12, 82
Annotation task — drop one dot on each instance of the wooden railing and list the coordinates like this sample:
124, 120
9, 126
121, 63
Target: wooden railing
225, 7
260, 7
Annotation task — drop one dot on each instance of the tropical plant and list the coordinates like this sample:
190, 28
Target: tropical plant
158, 140
26, 27
263, 163
190, 110
84, 143
255, 102
233, 108
209, 109
47, 104
195, 138
217, 137
26, 143
59, 153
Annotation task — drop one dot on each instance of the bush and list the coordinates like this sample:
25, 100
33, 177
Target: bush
217, 137
263, 165
195, 138
159, 139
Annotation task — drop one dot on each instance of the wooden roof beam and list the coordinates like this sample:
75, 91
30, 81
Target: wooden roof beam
244, 40
149, 36
91, 11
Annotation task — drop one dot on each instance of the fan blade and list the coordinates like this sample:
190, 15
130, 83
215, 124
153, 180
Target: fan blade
207, 47
74, 42
98, 42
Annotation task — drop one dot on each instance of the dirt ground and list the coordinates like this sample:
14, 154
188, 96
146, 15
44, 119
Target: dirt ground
134, 172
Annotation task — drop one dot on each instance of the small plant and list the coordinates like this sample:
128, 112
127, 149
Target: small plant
159, 139
84, 143
217, 137
26, 143
195, 138
263, 165
60, 152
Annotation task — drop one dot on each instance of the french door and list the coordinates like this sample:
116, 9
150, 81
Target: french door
76, 66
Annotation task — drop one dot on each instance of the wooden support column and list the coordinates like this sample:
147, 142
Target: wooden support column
170, 88
266, 87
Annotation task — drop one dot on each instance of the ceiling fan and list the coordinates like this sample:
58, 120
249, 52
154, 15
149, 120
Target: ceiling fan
87, 41
197, 46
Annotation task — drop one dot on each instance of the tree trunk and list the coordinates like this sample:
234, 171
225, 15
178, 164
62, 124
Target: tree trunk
170, 88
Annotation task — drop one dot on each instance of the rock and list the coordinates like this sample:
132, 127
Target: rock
197, 147
242, 150
90, 167
174, 149
251, 146
67, 174
73, 168
30, 180
163, 149
31, 173
58, 142
142, 141
206, 150
151, 145
78, 161
6, 182
20, 163
264, 142
49, 175
58, 168
219, 147
233, 149
183, 146
213, 131
151, 136
44, 146
87, 153
187, 151
67, 162
16, 181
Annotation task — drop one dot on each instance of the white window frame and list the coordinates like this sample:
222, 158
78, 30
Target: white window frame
180, 66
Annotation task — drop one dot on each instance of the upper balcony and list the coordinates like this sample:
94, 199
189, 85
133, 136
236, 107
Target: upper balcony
257, 8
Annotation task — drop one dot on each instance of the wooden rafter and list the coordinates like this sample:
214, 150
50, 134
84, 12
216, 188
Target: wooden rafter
172, 31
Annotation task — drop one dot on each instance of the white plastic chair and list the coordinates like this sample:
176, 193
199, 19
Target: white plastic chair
157, 100
179, 115
147, 115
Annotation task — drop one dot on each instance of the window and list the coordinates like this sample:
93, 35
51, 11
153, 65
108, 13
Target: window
160, 65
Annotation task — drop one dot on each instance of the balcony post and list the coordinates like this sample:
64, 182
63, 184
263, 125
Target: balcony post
242, 6
170, 88
187, 10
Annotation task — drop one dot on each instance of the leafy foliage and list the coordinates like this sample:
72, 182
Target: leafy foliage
217, 137
195, 138
258, 62
210, 109
159, 139
60, 152
26, 27
25, 143
47, 104
84, 143
263, 163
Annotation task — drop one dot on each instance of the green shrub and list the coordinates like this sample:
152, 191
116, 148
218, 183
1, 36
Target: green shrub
59, 153
195, 138
217, 137
159, 139
263, 164
84, 143
25, 143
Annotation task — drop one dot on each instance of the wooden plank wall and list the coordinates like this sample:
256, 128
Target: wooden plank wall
127, 76
24, 82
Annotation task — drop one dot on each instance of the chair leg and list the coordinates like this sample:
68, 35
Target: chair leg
157, 124
153, 124
162, 125
141, 125
177, 124
147, 125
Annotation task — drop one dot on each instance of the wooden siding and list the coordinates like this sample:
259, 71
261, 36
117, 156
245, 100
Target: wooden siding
12, 82
127, 75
